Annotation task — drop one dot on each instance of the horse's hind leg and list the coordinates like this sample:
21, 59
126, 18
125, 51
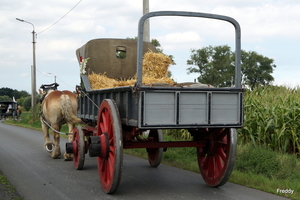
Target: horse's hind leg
56, 153
48, 143
69, 156
71, 129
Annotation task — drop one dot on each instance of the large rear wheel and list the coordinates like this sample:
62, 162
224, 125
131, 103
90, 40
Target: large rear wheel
216, 159
110, 161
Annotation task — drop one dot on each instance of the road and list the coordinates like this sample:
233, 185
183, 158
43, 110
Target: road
37, 176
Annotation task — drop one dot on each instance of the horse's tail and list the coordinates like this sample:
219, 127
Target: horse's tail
68, 111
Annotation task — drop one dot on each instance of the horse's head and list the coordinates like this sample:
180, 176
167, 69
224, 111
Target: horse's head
44, 94
46, 90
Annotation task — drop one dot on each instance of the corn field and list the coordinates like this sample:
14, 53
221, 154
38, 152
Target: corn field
272, 118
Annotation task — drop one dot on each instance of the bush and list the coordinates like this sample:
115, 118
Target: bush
21, 101
265, 162
27, 103
5, 98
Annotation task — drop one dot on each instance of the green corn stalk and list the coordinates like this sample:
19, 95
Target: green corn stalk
271, 118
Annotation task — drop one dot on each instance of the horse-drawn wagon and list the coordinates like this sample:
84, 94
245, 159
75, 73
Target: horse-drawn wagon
116, 117
9, 109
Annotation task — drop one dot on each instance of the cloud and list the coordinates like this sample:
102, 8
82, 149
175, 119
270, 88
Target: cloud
24, 75
266, 20
183, 37
179, 40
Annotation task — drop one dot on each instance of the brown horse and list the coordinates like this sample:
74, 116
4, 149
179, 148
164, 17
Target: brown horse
57, 108
19, 112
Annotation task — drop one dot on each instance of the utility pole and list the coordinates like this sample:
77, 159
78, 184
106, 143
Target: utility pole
54, 77
33, 71
146, 25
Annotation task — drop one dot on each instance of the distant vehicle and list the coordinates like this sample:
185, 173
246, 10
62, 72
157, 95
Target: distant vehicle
9, 108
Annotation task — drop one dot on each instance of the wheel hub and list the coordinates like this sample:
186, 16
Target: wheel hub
99, 146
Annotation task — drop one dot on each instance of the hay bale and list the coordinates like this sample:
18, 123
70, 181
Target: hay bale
101, 81
155, 70
156, 65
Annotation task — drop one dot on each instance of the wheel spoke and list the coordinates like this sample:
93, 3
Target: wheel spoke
222, 154
204, 162
107, 171
222, 134
102, 166
219, 163
109, 128
222, 144
111, 151
111, 139
103, 122
104, 171
111, 167
102, 128
211, 167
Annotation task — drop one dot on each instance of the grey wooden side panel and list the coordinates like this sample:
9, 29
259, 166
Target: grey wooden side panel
160, 108
193, 108
225, 108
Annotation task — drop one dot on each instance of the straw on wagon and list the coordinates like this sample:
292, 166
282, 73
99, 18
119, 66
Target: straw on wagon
155, 70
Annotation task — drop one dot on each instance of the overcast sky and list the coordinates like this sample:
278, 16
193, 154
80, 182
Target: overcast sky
269, 27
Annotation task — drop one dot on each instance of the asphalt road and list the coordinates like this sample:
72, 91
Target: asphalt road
37, 176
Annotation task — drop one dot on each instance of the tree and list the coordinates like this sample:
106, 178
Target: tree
5, 98
157, 45
27, 103
216, 66
6, 91
256, 69
13, 93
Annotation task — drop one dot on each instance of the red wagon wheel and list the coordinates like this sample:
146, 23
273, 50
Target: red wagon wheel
155, 154
78, 148
110, 162
216, 159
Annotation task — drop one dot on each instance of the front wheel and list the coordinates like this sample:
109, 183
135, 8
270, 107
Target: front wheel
216, 158
78, 148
